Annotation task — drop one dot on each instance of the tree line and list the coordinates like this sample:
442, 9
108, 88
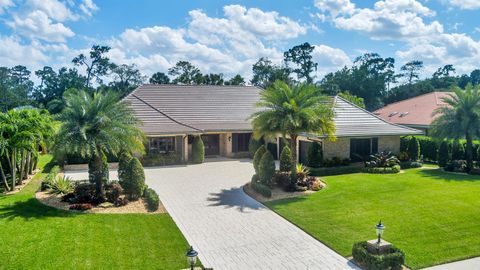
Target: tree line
371, 80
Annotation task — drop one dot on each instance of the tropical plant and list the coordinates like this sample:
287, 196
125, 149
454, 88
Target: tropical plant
302, 171
289, 111
62, 185
95, 124
285, 161
460, 118
383, 159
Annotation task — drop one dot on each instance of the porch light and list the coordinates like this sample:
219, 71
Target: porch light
192, 257
229, 138
379, 228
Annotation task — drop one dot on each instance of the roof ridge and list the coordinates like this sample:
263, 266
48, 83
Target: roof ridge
374, 115
164, 114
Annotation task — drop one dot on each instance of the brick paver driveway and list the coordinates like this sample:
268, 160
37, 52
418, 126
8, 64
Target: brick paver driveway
229, 229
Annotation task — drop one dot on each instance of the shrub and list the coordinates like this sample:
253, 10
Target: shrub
335, 170
382, 160
302, 172
456, 166
255, 178
413, 149
198, 150
262, 189
383, 170
81, 206
69, 197
258, 156
85, 193
336, 161
403, 156
49, 180
266, 169
113, 192
314, 184
161, 159
152, 199
286, 159
410, 164
123, 161
314, 155
134, 182
122, 201
253, 146
282, 179
62, 185
394, 259
458, 150
443, 154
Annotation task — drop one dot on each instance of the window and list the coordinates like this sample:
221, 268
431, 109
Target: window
161, 145
360, 149
240, 142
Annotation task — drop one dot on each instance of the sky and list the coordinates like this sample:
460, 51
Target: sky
230, 36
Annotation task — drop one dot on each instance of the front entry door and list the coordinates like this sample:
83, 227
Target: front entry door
212, 144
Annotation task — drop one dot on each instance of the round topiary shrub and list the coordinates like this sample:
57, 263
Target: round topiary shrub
413, 149
266, 169
134, 182
123, 161
258, 155
314, 155
443, 154
198, 150
253, 146
286, 159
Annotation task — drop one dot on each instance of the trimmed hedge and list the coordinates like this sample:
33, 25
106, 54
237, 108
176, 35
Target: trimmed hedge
392, 260
458, 150
258, 156
413, 149
262, 189
152, 199
134, 181
286, 159
326, 171
443, 154
383, 170
410, 164
161, 159
198, 150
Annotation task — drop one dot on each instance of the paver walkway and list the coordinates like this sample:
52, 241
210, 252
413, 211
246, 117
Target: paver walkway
469, 264
229, 229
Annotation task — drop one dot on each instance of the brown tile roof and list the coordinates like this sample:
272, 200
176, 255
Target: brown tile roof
416, 111
180, 109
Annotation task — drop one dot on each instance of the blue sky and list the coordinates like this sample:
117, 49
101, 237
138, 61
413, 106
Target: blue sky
229, 36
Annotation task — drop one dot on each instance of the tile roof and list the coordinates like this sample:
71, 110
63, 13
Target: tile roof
416, 111
179, 109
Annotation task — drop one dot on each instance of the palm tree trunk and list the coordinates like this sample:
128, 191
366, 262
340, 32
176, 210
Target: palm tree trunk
13, 167
98, 174
2, 176
22, 167
293, 148
469, 151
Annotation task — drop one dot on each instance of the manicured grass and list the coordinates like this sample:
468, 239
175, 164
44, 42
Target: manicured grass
433, 216
34, 236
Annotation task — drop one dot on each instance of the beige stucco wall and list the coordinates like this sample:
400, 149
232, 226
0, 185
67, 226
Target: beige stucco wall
390, 143
339, 148
226, 144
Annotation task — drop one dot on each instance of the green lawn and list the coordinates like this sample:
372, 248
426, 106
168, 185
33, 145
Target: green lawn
433, 216
34, 236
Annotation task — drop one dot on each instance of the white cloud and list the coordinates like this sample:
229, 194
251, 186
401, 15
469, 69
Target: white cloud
38, 25
55, 9
5, 4
335, 7
88, 7
13, 52
329, 59
465, 4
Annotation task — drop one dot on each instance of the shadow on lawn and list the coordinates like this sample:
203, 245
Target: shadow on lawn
438, 174
234, 197
30, 209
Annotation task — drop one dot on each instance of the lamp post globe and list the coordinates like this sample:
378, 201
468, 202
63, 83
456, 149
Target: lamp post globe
379, 228
191, 257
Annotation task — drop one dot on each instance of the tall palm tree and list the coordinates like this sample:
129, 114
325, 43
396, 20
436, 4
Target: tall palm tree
289, 111
460, 118
96, 124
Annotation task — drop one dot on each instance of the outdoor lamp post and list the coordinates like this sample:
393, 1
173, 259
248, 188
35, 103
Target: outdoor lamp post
379, 228
192, 257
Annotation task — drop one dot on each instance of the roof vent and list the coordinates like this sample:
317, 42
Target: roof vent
403, 114
392, 114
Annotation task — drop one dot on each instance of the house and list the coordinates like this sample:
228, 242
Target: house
172, 114
416, 112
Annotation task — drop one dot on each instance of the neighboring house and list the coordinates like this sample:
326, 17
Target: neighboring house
416, 112
173, 114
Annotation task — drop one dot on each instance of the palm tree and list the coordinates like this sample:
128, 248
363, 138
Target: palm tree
94, 125
460, 118
290, 111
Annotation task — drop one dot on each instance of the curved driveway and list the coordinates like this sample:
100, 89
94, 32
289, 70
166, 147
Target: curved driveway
229, 229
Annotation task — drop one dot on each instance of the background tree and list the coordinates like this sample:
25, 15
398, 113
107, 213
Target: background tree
460, 119
411, 71
126, 78
353, 99
299, 59
93, 125
265, 73
213, 79
290, 111
236, 80
96, 65
185, 73
159, 78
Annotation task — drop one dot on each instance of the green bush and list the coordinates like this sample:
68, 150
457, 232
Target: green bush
266, 169
198, 150
335, 170
413, 149
152, 199
443, 154
286, 159
458, 150
258, 155
164, 159
383, 170
48, 181
393, 260
262, 189
123, 161
253, 146
62, 185
314, 155
134, 181
410, 164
